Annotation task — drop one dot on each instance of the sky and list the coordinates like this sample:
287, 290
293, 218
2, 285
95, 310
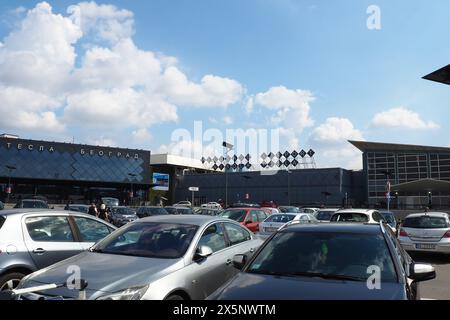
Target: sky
182, 76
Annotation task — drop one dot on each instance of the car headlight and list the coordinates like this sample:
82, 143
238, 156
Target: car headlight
129, 294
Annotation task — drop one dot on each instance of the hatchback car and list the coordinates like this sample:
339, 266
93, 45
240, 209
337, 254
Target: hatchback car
122, 215
251, 218
328, 261
357, 215
428, 232
276, 221
143, 212
34, 239
169, 257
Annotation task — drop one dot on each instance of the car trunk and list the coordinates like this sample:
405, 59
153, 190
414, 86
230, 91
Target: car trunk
428, 235
426, 228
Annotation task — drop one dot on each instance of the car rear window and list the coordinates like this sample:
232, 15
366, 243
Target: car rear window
324, 215
2, 221
350, 217
425, 222
280, 218
236, 215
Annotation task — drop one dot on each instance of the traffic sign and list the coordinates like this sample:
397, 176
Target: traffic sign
194, 189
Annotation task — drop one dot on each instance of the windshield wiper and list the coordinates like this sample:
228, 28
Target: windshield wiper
326, 276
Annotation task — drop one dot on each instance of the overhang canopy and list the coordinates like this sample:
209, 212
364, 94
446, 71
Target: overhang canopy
365, 146
442, 75
423, 185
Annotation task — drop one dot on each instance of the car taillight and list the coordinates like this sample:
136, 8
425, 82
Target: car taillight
403, 233
447, 234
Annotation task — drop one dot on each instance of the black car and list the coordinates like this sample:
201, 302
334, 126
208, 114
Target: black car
120, 216
143, 212
31, 204
327, 262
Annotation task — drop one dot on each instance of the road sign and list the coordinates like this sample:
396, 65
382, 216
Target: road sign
194, 189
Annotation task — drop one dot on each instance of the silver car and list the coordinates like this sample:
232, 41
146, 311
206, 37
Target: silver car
426, 232
278, 220
33, 239
171, 257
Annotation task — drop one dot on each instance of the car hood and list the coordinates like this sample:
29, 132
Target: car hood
104, 273
247, 286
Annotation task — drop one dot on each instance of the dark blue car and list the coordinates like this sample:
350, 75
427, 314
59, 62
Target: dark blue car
327, 262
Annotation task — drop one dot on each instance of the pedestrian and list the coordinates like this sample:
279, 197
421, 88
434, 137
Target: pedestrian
93, 210
102, 213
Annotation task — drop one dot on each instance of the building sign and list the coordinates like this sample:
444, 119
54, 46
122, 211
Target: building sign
161, 181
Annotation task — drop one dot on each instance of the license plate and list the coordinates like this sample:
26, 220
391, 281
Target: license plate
270, 229
425, 246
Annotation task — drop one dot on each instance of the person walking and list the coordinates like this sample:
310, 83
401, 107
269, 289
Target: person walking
102, 213
93, 210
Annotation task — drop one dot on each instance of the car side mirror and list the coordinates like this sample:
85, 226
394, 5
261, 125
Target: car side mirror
202, 253
239, 261
248, 222
422, 272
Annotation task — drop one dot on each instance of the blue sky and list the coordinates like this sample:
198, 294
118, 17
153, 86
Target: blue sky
322, 47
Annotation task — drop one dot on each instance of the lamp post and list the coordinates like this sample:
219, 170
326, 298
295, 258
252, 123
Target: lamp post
227, 148
10, 169
132, 176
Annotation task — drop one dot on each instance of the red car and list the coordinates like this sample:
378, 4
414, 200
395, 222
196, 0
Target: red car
249, 217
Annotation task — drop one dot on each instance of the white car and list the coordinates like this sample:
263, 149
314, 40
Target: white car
278, 220
212, 205
183, 204
309, 210
357, 215
324, 215
429, 231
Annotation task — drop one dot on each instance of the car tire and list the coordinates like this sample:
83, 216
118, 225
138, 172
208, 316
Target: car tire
174, 297
10, 280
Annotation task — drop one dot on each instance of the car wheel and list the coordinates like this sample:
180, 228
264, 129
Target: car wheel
174, 297
10, 281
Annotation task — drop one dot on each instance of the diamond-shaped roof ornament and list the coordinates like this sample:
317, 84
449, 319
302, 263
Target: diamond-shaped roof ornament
294, 154
264, 156
279, 164
263, 164
215, 167
227, 166
248, 165
303, 153
287, 163
241, 157
215, 159
241, 166
221, 167
271, 164
311, 153
286, 154
279, 155
228, 159
209, 160
235, 158
248, 157
271, 156
234, 166
294, 163
221, 158
203, 160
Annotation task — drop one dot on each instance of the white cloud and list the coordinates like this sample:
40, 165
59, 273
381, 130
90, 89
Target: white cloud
330, 140
228, 120
188, 149
106, 22
142, 135
249, 105
401, 118
112, 84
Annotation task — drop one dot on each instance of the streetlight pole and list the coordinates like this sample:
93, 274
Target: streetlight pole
10, 168
227, 148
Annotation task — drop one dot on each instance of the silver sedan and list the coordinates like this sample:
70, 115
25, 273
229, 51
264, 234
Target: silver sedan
163, 257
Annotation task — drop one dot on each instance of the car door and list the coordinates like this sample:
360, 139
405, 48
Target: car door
262, 215
251, 222
90, 231
49, 239
207, 275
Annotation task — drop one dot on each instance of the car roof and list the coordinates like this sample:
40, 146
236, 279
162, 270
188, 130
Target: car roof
362, 211
431, 214
152, 207
197, 220
364, 228
328, 210
23, 211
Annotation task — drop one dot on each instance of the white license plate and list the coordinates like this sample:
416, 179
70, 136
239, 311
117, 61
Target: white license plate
425, 246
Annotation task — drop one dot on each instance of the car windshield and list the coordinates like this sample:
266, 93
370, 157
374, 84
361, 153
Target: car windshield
425, 222
280, 218
171, 210
289, 209
236, 215
150, 240
124, 211
110, 202
388, 217
31, 204
329, 255
185, 211
350, 217
324, 215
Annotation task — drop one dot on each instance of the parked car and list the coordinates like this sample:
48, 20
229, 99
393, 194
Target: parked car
171, 210
357, 215
185, 210
276, 221
429, 232
143, 212
183, 204
157, 258
120, 216
31, 204
270, 210
208, 212
2, 205
324, 215
309, 210
110, 202
34, 239
389, 217
249, 217
289, 209
77, 208
244, 205
327, 261
212, 205
268, 204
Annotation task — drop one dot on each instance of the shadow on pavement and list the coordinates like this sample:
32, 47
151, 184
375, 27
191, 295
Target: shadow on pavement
433, 258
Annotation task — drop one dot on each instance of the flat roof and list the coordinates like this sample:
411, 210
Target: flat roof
442, 75
425, 185
177, 161
365, 146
